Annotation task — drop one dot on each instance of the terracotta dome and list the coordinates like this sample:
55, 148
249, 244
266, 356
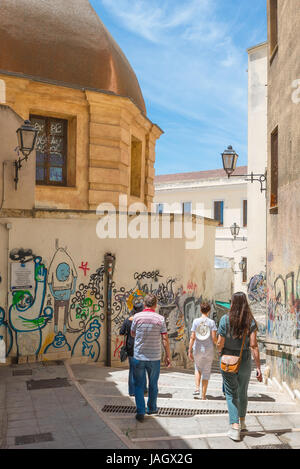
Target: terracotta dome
64, 42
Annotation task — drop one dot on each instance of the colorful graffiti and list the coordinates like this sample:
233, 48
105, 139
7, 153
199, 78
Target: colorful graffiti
87, 344
58, 314
88, 303
5, 333
284, 308
178, 305
52, 304
59, 343
62, 284
257, 288
27, 315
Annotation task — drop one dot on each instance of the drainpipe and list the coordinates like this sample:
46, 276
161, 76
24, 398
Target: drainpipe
109, 266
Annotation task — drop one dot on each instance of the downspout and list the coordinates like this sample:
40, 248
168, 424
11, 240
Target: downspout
109, 265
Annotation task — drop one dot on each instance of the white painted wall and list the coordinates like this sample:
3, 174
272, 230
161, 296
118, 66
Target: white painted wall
257, 156
202, 194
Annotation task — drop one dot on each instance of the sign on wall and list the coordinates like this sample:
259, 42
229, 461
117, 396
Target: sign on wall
22, 276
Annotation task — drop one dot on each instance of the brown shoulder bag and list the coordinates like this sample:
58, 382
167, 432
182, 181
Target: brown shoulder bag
230, 363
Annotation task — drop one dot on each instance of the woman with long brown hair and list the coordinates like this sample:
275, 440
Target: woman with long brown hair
239, 324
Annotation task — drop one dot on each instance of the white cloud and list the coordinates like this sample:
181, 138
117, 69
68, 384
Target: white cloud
188, 65
154, 20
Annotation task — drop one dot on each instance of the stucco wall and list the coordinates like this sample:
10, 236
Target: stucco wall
68, 243
257, 156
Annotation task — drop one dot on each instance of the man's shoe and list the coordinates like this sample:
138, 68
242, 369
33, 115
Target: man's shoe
140, 417
152, 412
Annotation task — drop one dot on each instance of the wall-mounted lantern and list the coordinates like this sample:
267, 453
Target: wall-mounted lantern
229, 159
242, 265
235, 230
26, 135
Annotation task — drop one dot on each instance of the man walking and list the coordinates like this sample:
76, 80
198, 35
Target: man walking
149, 329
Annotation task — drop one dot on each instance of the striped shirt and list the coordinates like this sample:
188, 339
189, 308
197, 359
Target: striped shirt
148, 327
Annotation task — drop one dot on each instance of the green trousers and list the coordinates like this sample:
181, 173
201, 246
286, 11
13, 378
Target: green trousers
235, 387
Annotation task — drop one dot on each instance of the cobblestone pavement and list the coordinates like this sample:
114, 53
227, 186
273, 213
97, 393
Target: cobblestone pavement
67, 405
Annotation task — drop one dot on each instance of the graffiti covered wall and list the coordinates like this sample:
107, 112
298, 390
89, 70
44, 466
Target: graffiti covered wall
283, 283
57, 301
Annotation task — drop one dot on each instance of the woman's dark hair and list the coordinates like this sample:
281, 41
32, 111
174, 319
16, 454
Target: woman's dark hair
205, 308
138, 306
240, 315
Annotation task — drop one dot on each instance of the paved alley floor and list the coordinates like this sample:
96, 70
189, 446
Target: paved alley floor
67, 405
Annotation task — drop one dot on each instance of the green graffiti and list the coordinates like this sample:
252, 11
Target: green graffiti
19, 296
33, 323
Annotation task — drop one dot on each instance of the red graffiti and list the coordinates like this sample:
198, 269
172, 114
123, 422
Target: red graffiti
117, 347
84, 267
192, 286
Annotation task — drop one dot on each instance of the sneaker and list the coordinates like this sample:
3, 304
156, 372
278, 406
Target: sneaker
140, 417
196, 392
234, 434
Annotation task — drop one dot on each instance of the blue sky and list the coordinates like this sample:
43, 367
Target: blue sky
191, 62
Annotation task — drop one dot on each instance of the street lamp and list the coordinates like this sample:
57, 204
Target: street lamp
242, 265
26, 135
229, 158
235, 229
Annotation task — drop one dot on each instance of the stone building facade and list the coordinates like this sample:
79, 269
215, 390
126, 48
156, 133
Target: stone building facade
283, 203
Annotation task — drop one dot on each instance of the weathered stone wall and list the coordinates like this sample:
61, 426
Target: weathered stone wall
100, 129
283, 243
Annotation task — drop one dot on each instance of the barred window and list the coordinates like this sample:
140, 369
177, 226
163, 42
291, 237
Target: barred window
51, 150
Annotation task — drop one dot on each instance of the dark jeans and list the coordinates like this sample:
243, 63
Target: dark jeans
140, 367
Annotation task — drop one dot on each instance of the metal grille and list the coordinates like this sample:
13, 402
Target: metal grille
47, 383
169, 411
282, 446
29, 439
22, 372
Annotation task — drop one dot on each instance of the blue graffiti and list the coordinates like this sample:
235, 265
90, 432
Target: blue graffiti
59, 342
5, 332
62, 284
87, 343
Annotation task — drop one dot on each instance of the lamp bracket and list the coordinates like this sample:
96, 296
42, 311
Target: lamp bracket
261, 178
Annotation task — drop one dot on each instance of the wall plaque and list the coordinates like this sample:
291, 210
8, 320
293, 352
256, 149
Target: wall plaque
22, 276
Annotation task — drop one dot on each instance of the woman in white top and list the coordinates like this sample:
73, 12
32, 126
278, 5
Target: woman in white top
201, 348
